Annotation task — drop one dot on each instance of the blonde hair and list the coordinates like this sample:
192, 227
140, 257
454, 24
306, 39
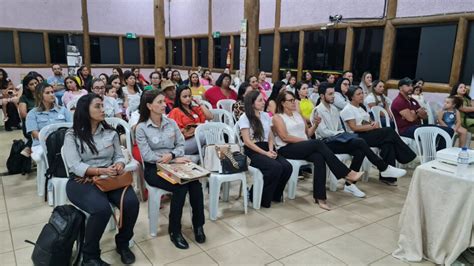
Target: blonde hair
39, 90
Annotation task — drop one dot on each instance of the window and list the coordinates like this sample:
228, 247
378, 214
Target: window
148, 51
188, 48
32, 48
58, 46
177, 52
7, 52
104, 50
324, 50
468, 67
265, 52
131, 51
221, 46
236, 54
367, 52
202, 51
289, 50
424, 52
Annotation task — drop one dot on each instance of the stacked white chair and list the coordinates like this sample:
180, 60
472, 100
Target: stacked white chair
426, 138
207, 104
225, 104
222, 116
214, 133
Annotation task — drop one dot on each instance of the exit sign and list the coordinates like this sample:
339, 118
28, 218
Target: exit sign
216, 34
130, 35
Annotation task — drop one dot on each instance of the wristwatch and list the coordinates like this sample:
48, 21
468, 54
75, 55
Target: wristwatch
173, 156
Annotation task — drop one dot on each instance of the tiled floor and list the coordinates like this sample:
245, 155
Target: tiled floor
356, 232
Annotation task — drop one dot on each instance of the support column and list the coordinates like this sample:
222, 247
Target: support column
232, 43
349, 48
121, 56
159, 21
251, 13
85, 33
16, 45
210, 42
183, 52
276, 43
300, 56
47, 54
388, 41
459, 47
193, 41
142, 54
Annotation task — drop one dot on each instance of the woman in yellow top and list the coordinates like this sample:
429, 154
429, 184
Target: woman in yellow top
305, 105
196, 88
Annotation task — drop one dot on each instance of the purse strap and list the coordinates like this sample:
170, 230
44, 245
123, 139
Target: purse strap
227, 153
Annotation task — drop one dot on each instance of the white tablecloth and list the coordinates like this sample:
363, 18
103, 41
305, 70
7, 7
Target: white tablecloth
437, 220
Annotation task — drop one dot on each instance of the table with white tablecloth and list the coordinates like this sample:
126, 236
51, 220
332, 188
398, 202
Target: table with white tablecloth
437, 220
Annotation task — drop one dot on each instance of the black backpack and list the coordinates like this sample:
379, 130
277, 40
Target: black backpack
63, 232
17, 163
54, 143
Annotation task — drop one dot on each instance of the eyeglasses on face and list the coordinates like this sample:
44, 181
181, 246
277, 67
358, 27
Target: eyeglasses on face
290, 100
98, 88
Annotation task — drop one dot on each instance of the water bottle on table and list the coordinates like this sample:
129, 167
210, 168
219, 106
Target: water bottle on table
463, 162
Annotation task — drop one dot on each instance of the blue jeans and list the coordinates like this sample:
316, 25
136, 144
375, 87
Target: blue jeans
59, 95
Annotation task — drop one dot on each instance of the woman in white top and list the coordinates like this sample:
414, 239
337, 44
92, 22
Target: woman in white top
377, 98
255, 129
131, 91
293, 142
391, 146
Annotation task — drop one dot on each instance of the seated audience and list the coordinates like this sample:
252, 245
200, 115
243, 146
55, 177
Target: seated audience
139, 78
340, 90
160, 141
377, 98
330, 78
206, 78
9, 99
111, 106
288, 75
85, 77
57, 81
366, 83
155, 80
117, 71
169, 90
305, 105
291, 87
270, 104
348, 75
253, 81
176, 78
196, 88
132, 92
418, 95
238, 107
262, 82
27, 103
94, 150
73, 91
255, 129
114, 80
467, 108
450, 117
220, 91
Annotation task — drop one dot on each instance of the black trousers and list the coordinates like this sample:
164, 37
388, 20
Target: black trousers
196, 198
317, 152
13, 117
392, 148
276, 173
97, 204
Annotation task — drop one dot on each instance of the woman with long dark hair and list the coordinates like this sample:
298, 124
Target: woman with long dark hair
27, 103
206, 78
141, 81
116, 82
196, 88
131, 91
270, 105
222, 90
377, 98
73, 90
118, 72
293, 142
188, 116
86, 78
9, 100
160, 140
340, 90
255, 129
93, 149
467, 108
176, 78
238, 108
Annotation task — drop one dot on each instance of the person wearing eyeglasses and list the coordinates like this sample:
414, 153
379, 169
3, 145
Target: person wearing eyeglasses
111, 105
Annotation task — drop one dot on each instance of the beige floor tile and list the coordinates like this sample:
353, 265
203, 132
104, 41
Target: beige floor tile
27, 201
217, 233
352, 250
5, 242
279, 242
8, 258
343, 219
373, 188
3, 206
107, 242
113, 258
18, 180
306, 204
32, 216
22, 189
283, 213
242, 251
390, 222
311, 256
339, 198
314, 230
198, 259
1, 189
391, 200
275, 263
422, 263
141, 231
389, 260
378, 236
4, 225
250, 224
161, 250
30, 232
23, 256
371, 211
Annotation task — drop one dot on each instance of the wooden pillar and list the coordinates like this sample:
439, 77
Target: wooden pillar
388, 41
85, 33
251, 13
121, 60
210, 45
459, 47
170, 51
232, 43
142, 54
16, 45
349, 48
183, 52
47, 54
276, 43
159, 21
193, 45
300, 55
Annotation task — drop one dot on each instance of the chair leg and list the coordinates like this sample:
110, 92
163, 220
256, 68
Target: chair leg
225, 191
244, 184
332, 179
40, 178
257, 187
154, 202
292, 182
214, 187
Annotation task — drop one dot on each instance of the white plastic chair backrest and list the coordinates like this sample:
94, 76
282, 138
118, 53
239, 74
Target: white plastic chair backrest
207, 87
431, 115
237, 134
64, 161
44, 133
72, 104
225, 104
223, 116
425, 138
213, 133
114, 122
376, 110
207, 104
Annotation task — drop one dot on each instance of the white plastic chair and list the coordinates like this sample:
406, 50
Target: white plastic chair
56, 185
222, 116
425, 138
408, 141
431, 115
225, 104
256, 175
207, 104
293, 181
214, 133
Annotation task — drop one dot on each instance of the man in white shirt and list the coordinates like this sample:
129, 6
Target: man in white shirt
332, 132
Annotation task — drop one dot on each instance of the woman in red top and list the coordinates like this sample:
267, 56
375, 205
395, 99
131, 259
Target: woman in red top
221, 91
188, 116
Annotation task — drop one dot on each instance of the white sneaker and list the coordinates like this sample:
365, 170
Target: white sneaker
354, 190
393, 172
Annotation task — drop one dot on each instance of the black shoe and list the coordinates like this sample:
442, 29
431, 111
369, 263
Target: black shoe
95, 262
179, 241
199, 235
126, 255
